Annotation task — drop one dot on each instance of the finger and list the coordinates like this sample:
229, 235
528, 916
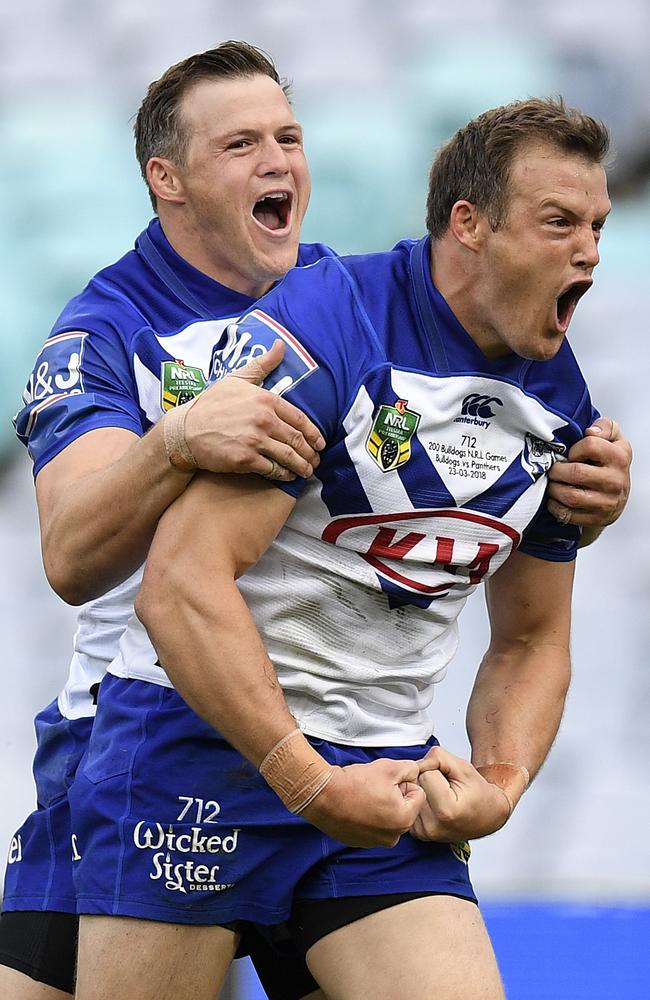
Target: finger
596, 450
296, 420
603, 500
608, 476
258, 368
413, 803
439, 793
289, 447
581, 518
427, 827
448, 763
561, 513
276, 471
403, 771
285, 458
411, 788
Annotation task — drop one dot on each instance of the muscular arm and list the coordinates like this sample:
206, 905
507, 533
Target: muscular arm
209, 645
518, 698
591, 488
516, 704
100, 499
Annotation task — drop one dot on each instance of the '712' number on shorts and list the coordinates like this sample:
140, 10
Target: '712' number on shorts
211, 808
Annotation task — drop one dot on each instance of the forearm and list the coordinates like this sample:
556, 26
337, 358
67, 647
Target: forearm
224, 673
517, 702
99, 529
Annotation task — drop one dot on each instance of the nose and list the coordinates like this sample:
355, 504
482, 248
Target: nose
273, 159
587, 254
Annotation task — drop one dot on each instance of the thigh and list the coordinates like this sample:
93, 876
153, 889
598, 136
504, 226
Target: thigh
435, 946
146, 960
21, 987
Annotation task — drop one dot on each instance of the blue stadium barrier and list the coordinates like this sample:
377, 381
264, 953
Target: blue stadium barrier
558, 951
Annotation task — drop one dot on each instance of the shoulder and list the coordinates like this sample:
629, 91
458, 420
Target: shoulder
356, 276
105, 304
309, 253
561, 384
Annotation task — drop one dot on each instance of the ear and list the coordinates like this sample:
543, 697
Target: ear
165, 180
466, 224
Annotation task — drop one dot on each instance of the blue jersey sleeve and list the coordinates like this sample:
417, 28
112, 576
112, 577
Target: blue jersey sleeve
545, 537
324, 355
81, 380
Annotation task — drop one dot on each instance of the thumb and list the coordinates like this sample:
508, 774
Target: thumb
411, 790
258, 368
604, 427
413, 800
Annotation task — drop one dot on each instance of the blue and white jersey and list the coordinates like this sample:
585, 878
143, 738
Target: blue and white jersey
433, 473
138, 340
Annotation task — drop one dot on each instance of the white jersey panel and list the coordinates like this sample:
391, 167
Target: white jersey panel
100, 624
359, 611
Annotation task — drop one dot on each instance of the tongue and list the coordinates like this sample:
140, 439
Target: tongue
267, 215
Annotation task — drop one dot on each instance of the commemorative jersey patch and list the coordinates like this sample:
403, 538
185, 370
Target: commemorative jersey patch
389, 440
252, 337
179, 383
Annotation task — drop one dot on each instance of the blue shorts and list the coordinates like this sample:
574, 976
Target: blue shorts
39, 862
173, 824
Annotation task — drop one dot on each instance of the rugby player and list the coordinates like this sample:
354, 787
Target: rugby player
82, 558
298, 629
221, 152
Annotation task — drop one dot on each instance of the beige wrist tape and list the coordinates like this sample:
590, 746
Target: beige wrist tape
511, 778
178, 451
295, 771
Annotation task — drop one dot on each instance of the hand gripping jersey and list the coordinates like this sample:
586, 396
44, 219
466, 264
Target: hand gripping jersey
138, 340
433, 473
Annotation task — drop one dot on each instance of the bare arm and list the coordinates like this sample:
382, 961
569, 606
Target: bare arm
100, 499
518, 697
207, 642
592, 487
516, 704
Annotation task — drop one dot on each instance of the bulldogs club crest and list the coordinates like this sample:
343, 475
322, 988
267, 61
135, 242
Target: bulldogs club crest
389, 441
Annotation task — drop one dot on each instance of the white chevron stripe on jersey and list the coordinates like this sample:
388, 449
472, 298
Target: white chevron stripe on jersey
384, 491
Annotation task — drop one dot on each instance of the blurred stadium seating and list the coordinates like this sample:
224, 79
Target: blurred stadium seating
378, 86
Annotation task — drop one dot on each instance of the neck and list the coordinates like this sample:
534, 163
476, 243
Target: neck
194, 246
458, 278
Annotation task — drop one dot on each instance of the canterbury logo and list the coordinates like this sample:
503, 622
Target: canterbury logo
476, 405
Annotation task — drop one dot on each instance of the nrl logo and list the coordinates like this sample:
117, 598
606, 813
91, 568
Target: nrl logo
389, 441
179, 383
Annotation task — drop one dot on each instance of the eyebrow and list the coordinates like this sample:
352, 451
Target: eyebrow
554, 205
250, 133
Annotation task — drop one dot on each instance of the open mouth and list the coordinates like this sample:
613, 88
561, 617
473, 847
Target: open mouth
566, 303
273, 211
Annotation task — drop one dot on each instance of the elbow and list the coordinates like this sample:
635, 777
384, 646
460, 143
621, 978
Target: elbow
67, 582
153, 603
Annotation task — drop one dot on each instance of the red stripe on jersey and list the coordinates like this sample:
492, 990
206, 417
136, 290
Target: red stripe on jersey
284, 333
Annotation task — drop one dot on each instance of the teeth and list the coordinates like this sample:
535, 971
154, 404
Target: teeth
277, 195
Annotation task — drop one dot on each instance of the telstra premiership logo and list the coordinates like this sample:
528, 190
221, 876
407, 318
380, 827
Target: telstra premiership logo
476, 405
